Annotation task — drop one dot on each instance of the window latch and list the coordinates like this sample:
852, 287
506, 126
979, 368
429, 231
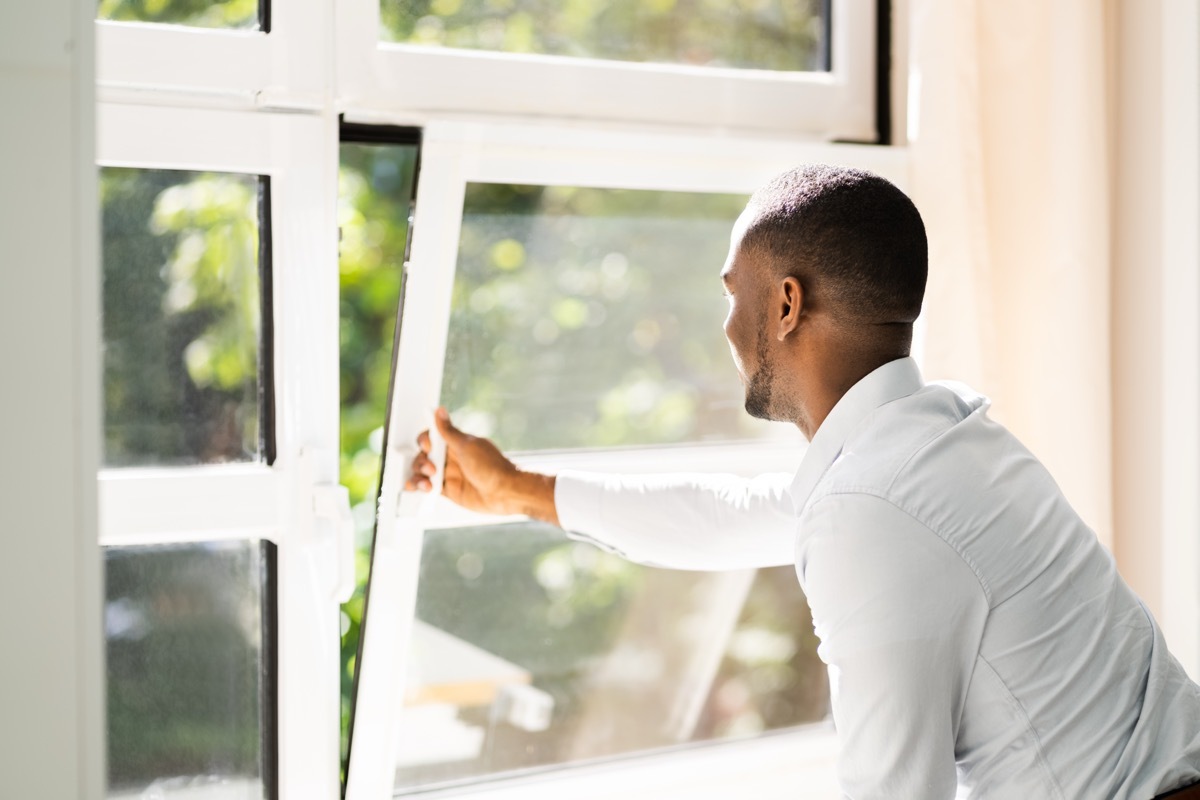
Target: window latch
331, 502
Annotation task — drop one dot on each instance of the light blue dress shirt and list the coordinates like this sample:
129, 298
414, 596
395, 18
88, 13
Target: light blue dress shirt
978, 636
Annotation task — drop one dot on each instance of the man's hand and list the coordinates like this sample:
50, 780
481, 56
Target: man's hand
479, 477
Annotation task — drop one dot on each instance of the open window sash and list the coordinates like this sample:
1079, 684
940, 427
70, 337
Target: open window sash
455, 154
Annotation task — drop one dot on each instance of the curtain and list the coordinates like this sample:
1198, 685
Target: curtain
1008, 129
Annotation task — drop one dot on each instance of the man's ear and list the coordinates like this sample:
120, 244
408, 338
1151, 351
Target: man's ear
791, 306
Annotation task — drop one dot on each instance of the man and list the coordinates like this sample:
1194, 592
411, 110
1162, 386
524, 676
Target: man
975, 630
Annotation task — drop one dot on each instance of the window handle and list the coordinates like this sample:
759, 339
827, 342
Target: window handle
419, 504
332, 502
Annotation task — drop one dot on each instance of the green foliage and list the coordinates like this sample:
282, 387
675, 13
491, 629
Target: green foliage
756, 34
183, 650
527, 595
592, 318
196, 13
375, 194
181, 317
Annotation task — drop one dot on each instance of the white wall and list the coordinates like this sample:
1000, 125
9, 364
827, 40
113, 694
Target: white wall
1156, 296
51, 688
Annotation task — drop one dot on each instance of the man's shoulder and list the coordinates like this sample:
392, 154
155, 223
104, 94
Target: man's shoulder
885, 450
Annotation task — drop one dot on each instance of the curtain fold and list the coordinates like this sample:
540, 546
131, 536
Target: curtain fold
1009, 138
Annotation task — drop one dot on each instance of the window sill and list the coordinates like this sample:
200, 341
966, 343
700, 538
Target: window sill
798, 765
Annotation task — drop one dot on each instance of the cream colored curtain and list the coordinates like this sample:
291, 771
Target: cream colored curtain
1008, 127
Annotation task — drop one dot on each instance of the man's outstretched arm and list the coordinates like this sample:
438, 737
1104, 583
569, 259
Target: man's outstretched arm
685, 521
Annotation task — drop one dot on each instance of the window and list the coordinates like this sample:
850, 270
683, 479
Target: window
204, 14
783, 68
514, 185
189, 640
586, 317
218, 497
531, 650
786, 37
492, 647
182, 317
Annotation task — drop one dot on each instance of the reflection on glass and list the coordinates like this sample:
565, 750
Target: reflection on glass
593, 318
181, 317
532, 650
754, 34
196, 13
184, 641
376, 188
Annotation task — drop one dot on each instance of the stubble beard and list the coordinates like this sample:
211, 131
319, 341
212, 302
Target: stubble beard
759, 385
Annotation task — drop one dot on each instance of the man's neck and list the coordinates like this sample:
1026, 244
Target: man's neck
830, 382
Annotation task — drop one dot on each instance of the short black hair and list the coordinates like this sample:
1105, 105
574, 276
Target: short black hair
849, 236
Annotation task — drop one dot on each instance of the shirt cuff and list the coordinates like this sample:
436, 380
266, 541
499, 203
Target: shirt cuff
578, 499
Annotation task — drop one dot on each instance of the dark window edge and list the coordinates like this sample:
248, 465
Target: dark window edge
266, 345
269, 554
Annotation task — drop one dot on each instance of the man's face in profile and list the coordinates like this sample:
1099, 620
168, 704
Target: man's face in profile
745, 327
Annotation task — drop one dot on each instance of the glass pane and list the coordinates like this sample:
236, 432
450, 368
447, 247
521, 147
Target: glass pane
197, 13
185, 654
532, 650
376, 192
182, 317
592, 318
787, 35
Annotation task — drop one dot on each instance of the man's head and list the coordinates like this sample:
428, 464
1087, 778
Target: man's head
826, 274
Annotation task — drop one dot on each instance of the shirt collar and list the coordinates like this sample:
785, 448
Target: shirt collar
893, 380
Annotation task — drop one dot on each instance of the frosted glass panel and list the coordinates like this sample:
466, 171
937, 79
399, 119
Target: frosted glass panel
187, 705
182, 317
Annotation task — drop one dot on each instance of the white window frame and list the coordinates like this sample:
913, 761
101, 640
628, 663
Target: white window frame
457, 153
295, 502
288, 68
397, 79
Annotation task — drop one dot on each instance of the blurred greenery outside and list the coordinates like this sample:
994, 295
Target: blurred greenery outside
587, 318
196, 13
749, 34
183, 652
181, 317
780, 35
181, 324
607, 639
182, 328
620, 284
375, 195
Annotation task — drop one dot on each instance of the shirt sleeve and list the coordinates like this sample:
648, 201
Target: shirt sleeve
899, 614
700, 522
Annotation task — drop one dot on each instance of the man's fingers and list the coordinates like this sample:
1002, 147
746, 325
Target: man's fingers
452, 479
446, 428
417, 484
423, 465
424, 442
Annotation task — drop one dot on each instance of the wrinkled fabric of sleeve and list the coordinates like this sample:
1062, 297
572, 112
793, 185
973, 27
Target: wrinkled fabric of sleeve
689, 521
899, 614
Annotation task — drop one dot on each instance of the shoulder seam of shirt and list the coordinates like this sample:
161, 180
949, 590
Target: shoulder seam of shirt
937, 434
868, 491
